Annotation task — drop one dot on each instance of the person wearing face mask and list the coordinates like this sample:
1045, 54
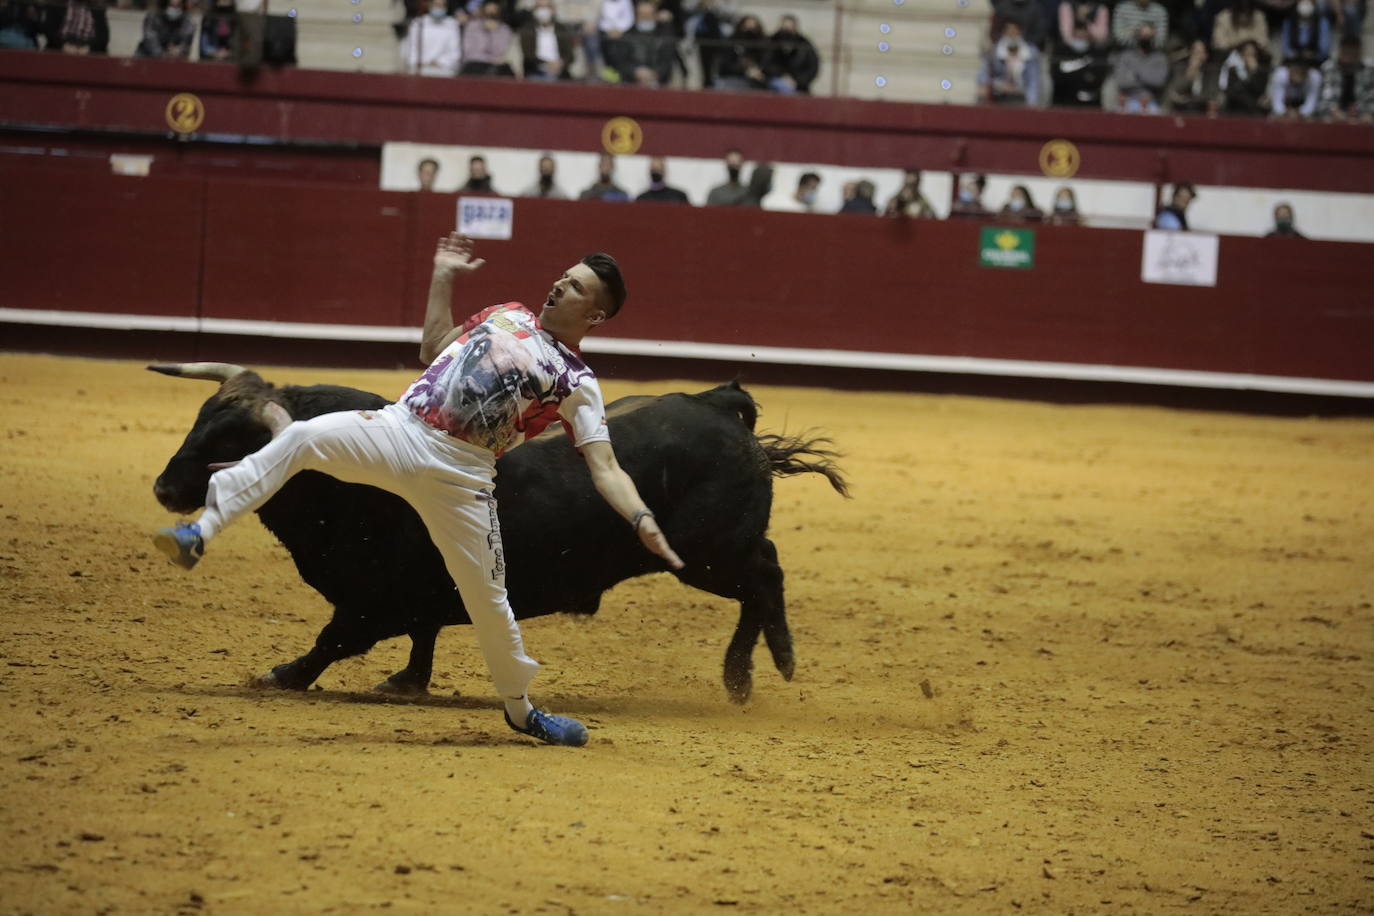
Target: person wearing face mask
1347, 90
968, 197
1010, 70
604, 188
658, 190
546, 45
1020, 208
544, 185
735, 193
1065, 212
740, 64
647, 49
1283, 224
486, 43
1030, 19
1141, 73
432, 45
801, 200
792, 63
1305, 33
167, 33
1244, 81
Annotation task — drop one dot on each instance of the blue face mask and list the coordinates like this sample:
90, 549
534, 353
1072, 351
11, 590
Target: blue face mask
966, 195
1063, 203
1017, 203
438, 12
808, 197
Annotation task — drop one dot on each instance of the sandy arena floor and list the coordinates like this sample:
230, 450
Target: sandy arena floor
1147, 634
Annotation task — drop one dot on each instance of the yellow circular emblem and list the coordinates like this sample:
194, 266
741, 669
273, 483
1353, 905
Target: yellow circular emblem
1059, 159
184, 113
622, 136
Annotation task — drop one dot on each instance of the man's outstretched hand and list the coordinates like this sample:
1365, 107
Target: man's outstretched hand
651, 536
454, 254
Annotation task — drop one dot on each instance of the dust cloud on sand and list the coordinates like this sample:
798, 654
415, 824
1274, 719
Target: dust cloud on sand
1144, 636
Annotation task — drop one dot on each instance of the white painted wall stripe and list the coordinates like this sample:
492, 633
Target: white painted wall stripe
797, 356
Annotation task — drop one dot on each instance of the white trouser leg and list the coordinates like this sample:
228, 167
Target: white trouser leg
447, 482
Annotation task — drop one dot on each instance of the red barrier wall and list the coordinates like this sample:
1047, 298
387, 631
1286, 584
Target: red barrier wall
369, 109
340, 254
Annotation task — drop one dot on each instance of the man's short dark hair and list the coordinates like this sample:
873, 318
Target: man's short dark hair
1185, 186
605, 267
424, 162
478, 158
808, 178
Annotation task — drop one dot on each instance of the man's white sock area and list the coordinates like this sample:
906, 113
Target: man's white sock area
518, 709
210, 522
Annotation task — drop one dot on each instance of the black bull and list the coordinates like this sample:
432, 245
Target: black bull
695, 459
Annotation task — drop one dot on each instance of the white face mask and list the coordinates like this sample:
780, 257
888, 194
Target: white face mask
1306, 8
543, 15
1063, 203
172, 13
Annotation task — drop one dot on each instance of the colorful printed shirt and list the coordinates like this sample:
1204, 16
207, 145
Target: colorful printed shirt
504, 380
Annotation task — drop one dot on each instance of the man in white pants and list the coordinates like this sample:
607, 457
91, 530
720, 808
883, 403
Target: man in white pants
497, 380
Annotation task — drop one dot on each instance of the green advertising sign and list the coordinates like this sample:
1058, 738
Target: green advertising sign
1002, 247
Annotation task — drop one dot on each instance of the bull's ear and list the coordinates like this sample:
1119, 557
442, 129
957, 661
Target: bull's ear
275, 416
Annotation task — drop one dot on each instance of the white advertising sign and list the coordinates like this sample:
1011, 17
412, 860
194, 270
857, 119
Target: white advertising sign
486, 217
1183, 258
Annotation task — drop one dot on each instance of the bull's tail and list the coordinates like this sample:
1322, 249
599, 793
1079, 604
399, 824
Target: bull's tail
734, 399
791, 455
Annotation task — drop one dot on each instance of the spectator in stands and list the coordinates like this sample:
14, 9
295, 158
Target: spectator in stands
1190, 89
1010, 72
76, 27
909, 201
1029, 16
167, 33
1065, 212
1175, 215
792, 63
486, 43
803, 199
741, 62
20, 23
426, 171
544, 185
1244, 81
479, 179
1084, 25
546, 45
1306, 33
1347, 84
1142, 72
604, 188
735, 193
858, 198
1283, 224
1080, 63
658, 190
1020, 208
1130, 15
433, 45
1237, 24
707, 26
968, 200
1294, 90
218, 30
646, 51
615, 19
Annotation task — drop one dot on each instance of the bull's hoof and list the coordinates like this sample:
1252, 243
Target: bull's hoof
400, 686
787, 665
271, 681
739, 687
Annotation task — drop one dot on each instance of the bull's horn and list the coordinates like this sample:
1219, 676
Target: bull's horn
213, 372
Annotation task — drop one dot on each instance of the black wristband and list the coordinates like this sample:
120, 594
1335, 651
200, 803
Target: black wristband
639, 517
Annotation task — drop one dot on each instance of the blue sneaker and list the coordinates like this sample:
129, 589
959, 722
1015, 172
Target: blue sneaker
182, 545
552, 729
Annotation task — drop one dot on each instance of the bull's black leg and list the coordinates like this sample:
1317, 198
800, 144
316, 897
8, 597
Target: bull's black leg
414, 678
335, 641
757, 584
